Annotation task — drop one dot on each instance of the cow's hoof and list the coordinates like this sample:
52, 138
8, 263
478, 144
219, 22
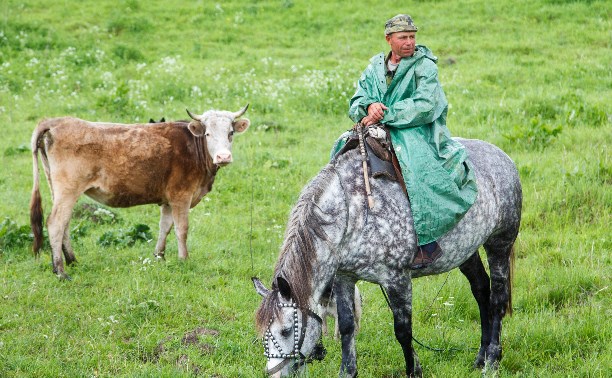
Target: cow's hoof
71, 261
160, 256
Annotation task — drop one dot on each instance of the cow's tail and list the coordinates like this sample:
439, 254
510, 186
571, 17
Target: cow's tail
36, 211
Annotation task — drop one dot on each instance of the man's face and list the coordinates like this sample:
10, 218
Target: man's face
402, 43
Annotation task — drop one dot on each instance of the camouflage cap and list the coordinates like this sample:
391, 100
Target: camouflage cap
400, 23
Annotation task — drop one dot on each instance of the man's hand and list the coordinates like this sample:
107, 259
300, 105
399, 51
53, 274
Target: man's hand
376, 112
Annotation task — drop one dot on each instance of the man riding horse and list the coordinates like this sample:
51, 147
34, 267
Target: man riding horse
402, 92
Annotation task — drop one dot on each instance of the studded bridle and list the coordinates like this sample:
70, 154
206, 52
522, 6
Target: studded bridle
296, 354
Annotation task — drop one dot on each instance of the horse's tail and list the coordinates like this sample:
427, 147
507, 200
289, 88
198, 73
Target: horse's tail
510, 279
36, 211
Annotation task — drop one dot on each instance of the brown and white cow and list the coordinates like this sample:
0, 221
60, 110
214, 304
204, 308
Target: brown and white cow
172, 164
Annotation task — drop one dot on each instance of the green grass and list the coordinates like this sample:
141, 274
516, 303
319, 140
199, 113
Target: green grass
533, 77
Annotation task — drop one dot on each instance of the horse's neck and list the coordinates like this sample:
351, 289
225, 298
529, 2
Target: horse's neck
320, 283
324, 208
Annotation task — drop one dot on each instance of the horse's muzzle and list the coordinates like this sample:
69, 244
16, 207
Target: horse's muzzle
318, 353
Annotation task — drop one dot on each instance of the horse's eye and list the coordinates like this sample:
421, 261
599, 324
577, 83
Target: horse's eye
286, 332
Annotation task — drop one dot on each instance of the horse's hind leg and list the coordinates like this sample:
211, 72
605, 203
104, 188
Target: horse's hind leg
480, 285
500, 258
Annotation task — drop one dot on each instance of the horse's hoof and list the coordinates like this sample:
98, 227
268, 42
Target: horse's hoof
490, 367
480, 362
63, 277
493, 356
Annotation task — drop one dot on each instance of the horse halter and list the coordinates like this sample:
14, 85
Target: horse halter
298, 339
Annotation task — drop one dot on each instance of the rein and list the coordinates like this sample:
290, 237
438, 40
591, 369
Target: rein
298, 339
364, 162
430, 305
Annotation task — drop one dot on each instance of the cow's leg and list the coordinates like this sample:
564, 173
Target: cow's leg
344, 294
67, 247
400, 299
180, 214
57, 224
499, 256
481, 289
165, 225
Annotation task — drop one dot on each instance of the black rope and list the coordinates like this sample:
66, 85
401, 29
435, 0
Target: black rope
251, 231
429, 308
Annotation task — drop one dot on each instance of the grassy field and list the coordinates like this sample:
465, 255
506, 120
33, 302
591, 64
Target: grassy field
533, 77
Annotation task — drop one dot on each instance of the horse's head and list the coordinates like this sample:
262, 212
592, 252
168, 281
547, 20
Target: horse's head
291, 333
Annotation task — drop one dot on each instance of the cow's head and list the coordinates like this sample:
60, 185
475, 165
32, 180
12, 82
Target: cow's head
219, 128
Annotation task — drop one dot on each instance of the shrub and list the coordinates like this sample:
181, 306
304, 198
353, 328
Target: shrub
536, 134
127, 53
13, 236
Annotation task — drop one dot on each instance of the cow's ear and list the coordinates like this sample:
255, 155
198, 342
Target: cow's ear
240, 125
284, 288
197, 128
259, 287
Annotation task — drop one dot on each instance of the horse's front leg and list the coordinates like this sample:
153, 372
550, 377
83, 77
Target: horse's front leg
344, 292
400, 299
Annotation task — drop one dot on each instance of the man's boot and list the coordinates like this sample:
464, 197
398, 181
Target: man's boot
426, 255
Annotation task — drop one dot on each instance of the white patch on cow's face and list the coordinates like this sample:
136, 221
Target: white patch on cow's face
219, 136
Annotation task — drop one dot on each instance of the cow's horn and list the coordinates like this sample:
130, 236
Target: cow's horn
241, 111
197, 118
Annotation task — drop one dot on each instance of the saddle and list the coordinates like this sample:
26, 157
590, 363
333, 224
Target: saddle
380, 156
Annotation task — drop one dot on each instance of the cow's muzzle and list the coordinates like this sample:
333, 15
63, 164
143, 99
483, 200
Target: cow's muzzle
222, 159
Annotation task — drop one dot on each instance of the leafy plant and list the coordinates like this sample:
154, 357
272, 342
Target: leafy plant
95, 213
126, 238
536, 134
11, 151
13, 236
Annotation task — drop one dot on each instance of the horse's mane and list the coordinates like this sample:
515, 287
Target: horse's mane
298, 252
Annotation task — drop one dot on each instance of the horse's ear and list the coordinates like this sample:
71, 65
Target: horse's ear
283, 288
259, 287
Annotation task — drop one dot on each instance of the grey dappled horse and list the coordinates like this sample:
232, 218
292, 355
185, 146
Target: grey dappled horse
333, 238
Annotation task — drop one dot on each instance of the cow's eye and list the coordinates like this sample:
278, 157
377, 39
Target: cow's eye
230, 135
286, 332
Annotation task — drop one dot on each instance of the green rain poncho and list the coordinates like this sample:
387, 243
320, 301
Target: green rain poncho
441, 186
